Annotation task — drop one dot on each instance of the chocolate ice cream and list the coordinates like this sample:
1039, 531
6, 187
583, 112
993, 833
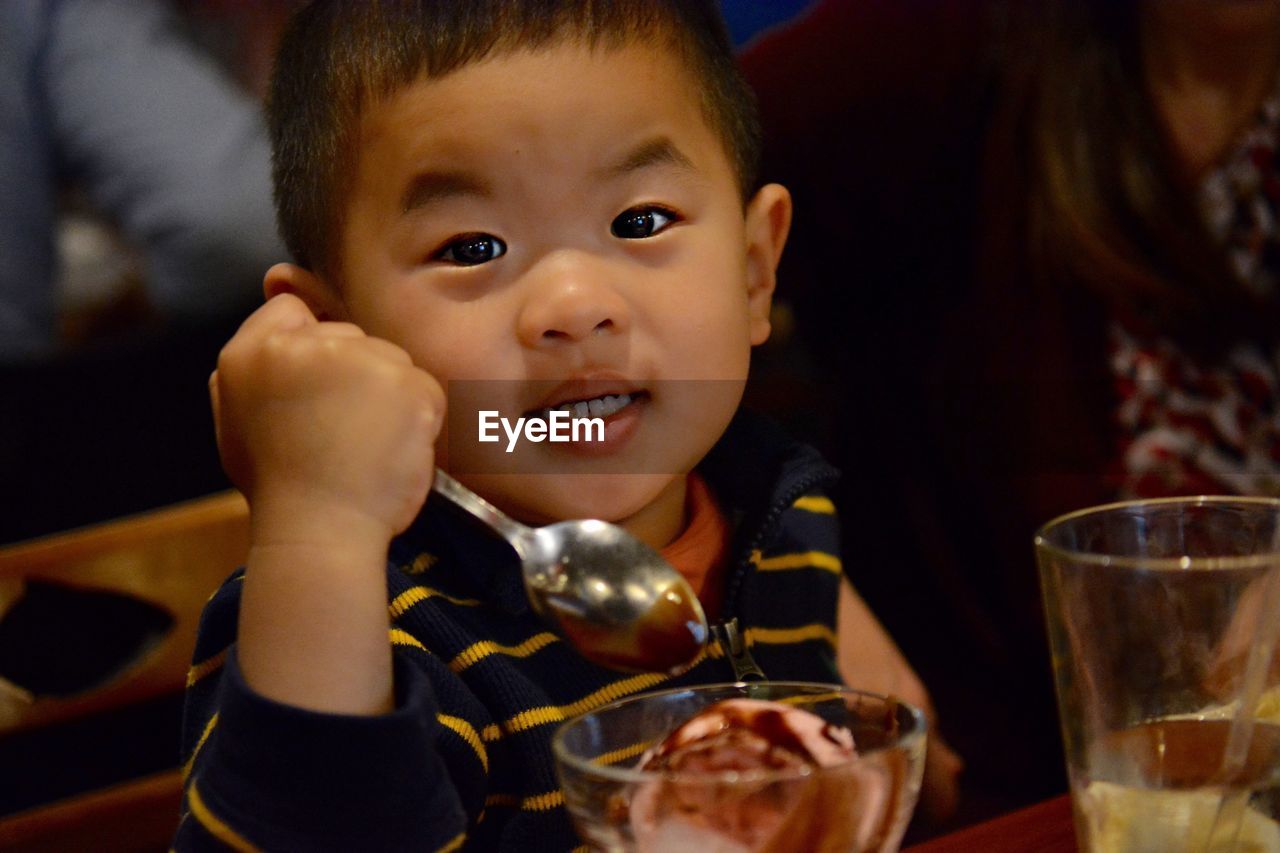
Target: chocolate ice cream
749, 775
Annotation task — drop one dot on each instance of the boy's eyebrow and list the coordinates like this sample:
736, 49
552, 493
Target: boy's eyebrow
659, 151
430, 187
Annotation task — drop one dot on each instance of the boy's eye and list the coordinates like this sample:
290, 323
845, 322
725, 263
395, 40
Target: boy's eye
641, 222
471, 250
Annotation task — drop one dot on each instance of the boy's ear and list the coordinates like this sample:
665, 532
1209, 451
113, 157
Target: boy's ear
768, 223
320, 297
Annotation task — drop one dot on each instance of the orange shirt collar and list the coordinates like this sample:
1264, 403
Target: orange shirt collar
699, 552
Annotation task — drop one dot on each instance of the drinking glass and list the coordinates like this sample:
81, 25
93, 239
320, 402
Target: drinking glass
1162, 619
860, 805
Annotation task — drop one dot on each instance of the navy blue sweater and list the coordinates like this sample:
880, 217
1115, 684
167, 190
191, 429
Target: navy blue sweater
464, 760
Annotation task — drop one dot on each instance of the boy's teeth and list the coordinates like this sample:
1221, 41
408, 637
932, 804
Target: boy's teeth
599, 407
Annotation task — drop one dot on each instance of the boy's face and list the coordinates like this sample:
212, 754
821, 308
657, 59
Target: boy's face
567, 221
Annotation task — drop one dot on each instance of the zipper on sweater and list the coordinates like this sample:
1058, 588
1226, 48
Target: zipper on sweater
766, 527
734, 645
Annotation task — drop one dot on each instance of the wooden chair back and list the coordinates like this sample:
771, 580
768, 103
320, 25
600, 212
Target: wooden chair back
173, 558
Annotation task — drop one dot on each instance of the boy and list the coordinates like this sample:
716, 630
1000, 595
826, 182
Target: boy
547, 203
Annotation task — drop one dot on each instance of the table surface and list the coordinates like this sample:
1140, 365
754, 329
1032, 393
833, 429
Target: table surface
1043, 828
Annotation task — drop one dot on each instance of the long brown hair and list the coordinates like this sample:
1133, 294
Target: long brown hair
1081, 172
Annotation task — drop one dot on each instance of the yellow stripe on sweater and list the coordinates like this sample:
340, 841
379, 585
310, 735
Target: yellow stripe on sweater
543, 802
400, 637
815, 504
812, 698
204, 736
216, 827
467, 732
535, 717
541, 716
477, 652
612, 757
786, 636
418, 594
535, 803
803, 560
509, 801
421, 563
455, 844
205, 667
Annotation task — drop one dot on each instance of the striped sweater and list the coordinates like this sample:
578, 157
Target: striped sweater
464, 761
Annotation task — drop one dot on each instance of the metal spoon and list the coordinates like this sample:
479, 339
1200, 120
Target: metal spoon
612, 596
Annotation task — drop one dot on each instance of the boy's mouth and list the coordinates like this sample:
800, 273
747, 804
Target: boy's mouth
600, 406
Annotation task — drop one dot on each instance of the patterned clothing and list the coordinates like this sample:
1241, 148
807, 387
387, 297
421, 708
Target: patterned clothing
1189, 427
464, 761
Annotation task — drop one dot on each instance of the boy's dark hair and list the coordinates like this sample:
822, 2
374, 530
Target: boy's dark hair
338, 55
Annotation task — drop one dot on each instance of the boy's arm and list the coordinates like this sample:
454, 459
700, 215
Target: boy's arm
868, 659
329, 433
305, 736
261, 774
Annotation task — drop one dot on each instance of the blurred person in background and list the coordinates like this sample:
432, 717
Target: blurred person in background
1138, 141
135, 225
1036, 257
112, 100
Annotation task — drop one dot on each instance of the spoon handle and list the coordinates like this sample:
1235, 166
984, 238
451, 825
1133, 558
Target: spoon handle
510, 529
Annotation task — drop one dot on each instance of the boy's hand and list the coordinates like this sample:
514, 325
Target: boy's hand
323, 428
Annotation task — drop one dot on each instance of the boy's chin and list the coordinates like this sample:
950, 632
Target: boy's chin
626, 499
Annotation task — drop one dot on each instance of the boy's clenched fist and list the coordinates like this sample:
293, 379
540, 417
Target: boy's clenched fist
317, 421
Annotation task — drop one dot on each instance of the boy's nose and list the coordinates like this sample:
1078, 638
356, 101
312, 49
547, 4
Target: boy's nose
571, 303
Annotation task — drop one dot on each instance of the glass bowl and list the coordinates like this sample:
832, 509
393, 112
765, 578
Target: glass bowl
863, 804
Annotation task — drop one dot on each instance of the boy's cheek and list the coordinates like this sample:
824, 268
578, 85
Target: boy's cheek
442, 446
